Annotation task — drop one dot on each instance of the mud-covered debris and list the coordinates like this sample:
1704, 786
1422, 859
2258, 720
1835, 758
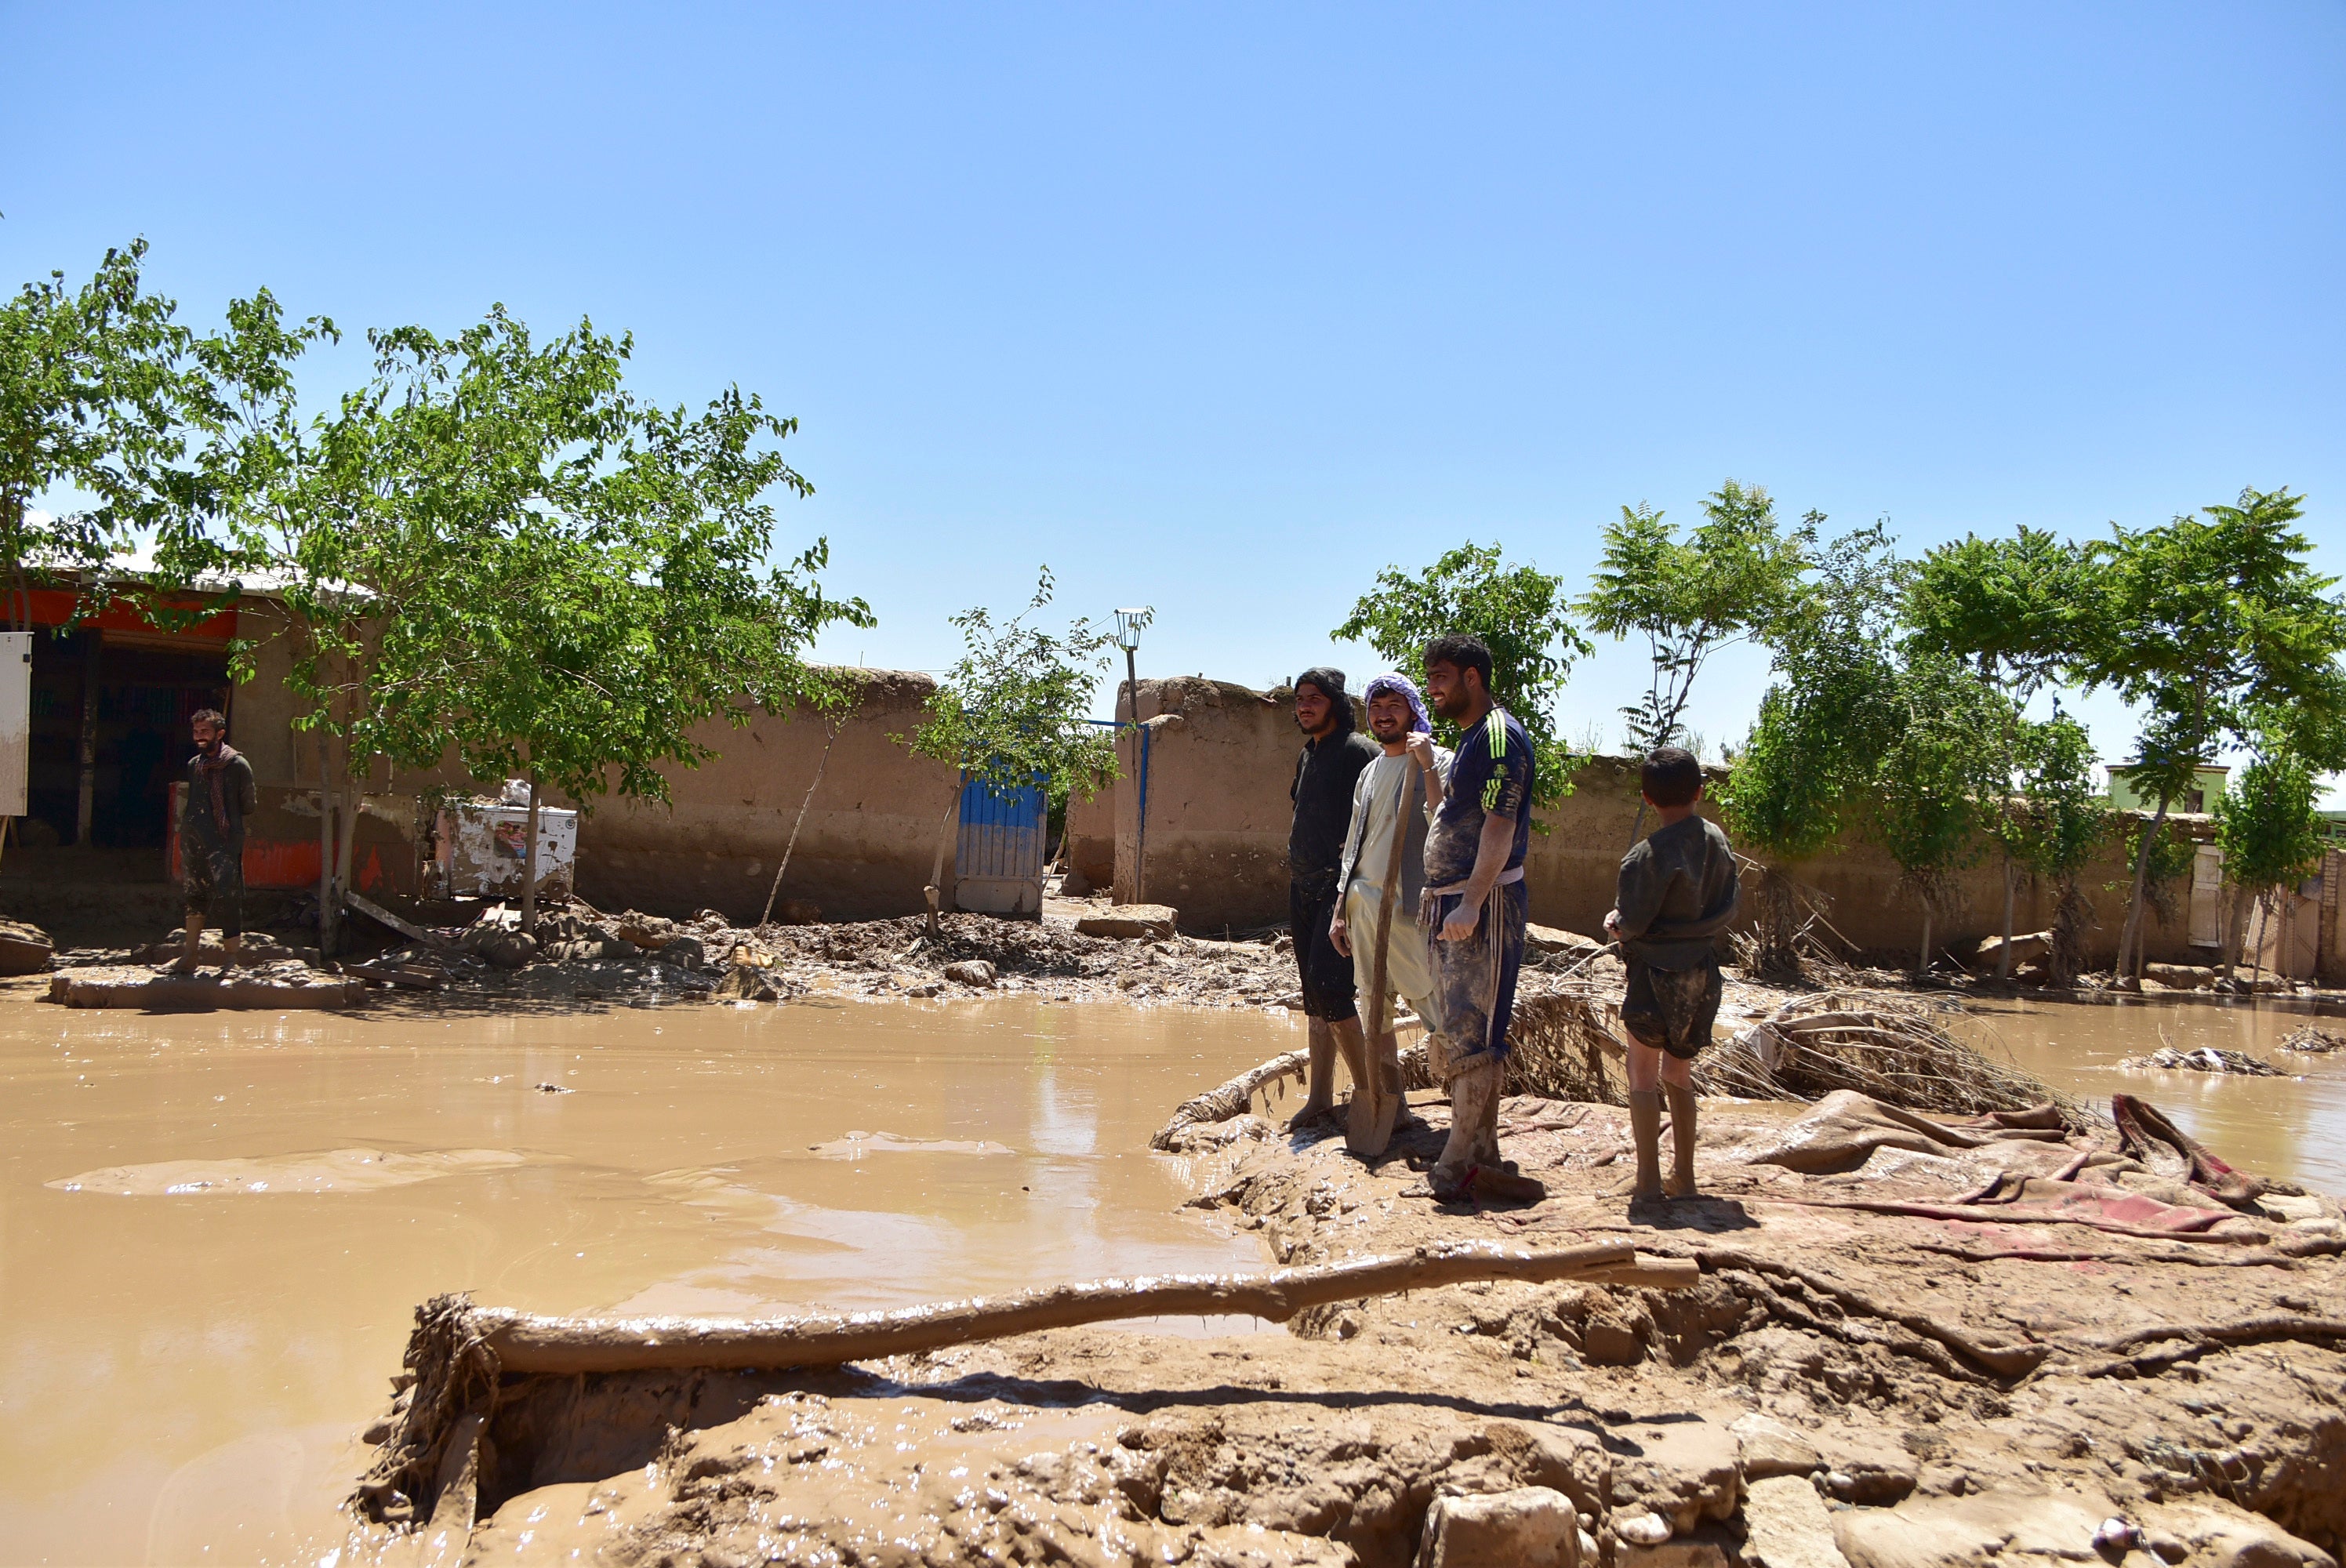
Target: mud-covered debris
1527, 1527
974, 971
2203, 1059
1130, 923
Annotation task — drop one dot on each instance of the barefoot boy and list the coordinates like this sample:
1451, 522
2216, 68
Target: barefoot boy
1677, 894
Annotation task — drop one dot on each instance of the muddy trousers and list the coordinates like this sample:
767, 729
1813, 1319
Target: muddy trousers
1474, 1116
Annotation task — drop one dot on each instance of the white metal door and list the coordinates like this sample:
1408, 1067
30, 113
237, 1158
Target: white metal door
16, 719
2206, 897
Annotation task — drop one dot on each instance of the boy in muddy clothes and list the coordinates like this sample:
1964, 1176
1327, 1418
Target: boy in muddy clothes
1678, 895
1334, 753
221, 796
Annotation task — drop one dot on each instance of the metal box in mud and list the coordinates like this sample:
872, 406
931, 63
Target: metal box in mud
481, 845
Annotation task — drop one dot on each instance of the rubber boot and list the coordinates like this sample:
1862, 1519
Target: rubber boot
1646, 1128
230, 945
1681, 1099
1473, 1105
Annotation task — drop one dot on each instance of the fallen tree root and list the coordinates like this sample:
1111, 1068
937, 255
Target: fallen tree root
523, 1342
2005, 1360
2262, 1258
2246, 1332
2012, 1213
2137, 1359
1231, 1099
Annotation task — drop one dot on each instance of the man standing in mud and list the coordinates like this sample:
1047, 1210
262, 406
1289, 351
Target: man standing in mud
1677, 896
1383, 876
1334, 754
221, 796
1475, 906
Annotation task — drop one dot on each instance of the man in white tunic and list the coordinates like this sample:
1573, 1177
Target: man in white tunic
1384, 857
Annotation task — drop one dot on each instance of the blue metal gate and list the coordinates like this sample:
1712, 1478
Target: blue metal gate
998, 859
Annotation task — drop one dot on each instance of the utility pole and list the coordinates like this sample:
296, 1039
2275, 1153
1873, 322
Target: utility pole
1129, 624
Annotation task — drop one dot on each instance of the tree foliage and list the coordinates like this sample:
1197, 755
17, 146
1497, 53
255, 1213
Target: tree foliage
91, 384
2060, 816
1832, 707
2011, 606
1729, 577
2209, 625
494, 547
1012, 711
1522, 613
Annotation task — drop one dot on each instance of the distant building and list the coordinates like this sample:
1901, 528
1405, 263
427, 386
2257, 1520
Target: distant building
2207, 789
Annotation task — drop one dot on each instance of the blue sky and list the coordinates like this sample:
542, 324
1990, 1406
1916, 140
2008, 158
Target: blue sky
1222, 308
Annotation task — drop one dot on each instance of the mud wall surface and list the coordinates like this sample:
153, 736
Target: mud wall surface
864, 853
1220, 757
866, 849
1090, 849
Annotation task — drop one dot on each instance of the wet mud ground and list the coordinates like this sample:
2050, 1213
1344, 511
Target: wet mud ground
192, 1347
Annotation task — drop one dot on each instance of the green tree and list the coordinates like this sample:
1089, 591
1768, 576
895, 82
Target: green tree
2207, 625
1829, 715
1727, 579
2054, 826
493, 549
1937, 789
1520, 612
2271, 833
612, 596
91, 383
1012, 713
2008, 607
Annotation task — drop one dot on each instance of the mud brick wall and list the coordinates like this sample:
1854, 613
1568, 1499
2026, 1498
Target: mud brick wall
1221, 756
864, 853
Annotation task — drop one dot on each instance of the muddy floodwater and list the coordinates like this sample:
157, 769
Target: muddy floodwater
2292, 1127
213, 1229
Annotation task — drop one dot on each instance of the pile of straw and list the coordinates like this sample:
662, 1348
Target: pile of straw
1568, 1045
1889, 1047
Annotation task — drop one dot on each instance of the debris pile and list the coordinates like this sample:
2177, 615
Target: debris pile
2202, 1059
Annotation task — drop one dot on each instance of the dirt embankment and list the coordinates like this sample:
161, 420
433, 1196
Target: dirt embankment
2087, 1350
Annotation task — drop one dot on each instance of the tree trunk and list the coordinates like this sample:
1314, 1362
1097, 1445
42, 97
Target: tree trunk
2236, 929
935, 890
529, 867
86, 803
2010, 888
325, 854
2131, 940
346, 836
772, 892
1922, 962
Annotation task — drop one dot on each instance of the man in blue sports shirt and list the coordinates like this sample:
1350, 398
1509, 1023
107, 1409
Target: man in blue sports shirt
1475, 906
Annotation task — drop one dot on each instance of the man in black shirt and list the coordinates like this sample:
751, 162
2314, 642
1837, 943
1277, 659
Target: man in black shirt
1334, 753
221, 796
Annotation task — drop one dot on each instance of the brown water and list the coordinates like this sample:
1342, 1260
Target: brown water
213, 1228
2292, 1127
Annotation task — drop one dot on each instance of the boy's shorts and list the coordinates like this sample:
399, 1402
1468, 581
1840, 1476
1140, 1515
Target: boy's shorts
1671, 1010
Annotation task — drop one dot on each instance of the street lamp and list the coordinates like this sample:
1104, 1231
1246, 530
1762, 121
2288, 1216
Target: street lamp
1129, 625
